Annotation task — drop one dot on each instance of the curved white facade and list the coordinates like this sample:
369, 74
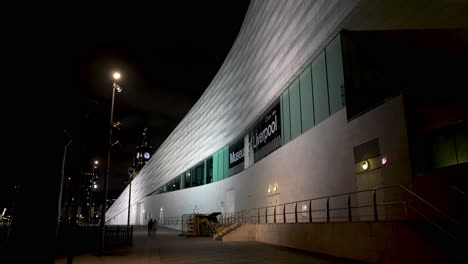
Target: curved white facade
276, 39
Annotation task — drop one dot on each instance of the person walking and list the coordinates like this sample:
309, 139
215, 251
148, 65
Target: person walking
150, 227
155, 223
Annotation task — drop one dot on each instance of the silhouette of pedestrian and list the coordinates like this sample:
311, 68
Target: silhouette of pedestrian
155, 223
150, 226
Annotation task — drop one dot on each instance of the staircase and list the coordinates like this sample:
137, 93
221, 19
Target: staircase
228, 223
225, 230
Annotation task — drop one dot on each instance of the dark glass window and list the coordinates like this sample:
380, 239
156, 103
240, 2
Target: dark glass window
209, 171
187, 179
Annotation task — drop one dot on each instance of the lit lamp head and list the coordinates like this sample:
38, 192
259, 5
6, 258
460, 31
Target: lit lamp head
365, 165
116, 75
269, 189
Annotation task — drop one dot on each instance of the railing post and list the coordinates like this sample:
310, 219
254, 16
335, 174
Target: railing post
406, 210
295, 212
284, 213
376, 217
266, 215
310, 211
258, 217
328, 209
274, 215
350, 217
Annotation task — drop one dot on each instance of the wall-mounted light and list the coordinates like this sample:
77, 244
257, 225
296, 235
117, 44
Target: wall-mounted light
275, 187
365, 165
269, 189
160, 210
384, 161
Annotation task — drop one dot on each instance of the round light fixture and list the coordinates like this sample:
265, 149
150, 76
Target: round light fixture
365, 165
384, 161
161, 209
116, 75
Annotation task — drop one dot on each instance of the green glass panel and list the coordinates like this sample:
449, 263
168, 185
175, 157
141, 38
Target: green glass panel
286, 120
295, 108
335, 75
215, 167
461, 142
442, 149
182, 181
226, 162
320, 90
282, 120
307, 103
220, 165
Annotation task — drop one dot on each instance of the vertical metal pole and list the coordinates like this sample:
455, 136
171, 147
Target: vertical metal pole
310, 211
274, 215
349, 208
258, 217
406, 210
61, 187
284, 213
328, 209
376, 217
266, 215
104, 209
295, 211
129, 198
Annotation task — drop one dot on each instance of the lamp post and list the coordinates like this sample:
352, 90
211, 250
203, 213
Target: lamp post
61, 183
131, 174
111, 144
92, 187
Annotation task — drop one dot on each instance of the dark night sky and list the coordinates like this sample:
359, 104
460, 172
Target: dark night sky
167, 56
168, 53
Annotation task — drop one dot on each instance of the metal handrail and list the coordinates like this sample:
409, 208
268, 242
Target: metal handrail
430, 221
426, 202
335, 195
458, 190
242, 216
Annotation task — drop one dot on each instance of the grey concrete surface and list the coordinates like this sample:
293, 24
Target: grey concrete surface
168, 247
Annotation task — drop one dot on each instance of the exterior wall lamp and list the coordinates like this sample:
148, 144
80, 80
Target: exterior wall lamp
365, 165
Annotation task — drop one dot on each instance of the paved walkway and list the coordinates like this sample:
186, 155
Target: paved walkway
168, 247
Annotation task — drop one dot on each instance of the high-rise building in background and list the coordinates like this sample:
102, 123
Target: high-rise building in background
144, 151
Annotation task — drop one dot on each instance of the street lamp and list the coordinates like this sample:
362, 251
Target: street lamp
115, 87
61, 182
92, 186
131, 175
